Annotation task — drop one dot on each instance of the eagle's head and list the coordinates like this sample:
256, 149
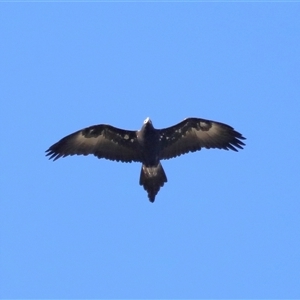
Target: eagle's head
147, 124
147, 121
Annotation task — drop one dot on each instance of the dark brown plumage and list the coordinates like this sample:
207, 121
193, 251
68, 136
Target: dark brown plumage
148, 145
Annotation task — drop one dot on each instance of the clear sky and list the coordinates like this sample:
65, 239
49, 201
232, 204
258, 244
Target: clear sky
225, 225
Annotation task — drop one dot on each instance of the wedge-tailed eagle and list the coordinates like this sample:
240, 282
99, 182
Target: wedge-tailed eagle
148, 145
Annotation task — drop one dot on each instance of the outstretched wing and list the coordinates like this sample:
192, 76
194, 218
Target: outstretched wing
192, 134
103, 141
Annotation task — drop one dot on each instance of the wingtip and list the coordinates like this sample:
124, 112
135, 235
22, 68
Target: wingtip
52, 155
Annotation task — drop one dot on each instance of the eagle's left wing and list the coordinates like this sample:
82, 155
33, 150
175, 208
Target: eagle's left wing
192, 134
103, 141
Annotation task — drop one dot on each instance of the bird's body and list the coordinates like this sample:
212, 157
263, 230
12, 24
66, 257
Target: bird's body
152, 176
148, 145
148, 139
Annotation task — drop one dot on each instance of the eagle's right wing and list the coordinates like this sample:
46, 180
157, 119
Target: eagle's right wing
192, 134
103, 141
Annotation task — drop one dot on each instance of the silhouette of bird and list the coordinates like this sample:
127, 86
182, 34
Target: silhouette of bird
148, 145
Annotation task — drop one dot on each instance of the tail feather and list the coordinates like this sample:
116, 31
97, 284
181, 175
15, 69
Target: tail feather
152, 179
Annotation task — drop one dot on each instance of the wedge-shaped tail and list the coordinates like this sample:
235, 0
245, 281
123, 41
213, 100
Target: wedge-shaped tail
152, 179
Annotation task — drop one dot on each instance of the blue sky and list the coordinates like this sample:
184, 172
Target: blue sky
225, 225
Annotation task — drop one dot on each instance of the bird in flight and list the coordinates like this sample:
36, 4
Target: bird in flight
148, 145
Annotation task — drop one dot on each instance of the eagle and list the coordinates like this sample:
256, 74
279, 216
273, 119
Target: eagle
148, 145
